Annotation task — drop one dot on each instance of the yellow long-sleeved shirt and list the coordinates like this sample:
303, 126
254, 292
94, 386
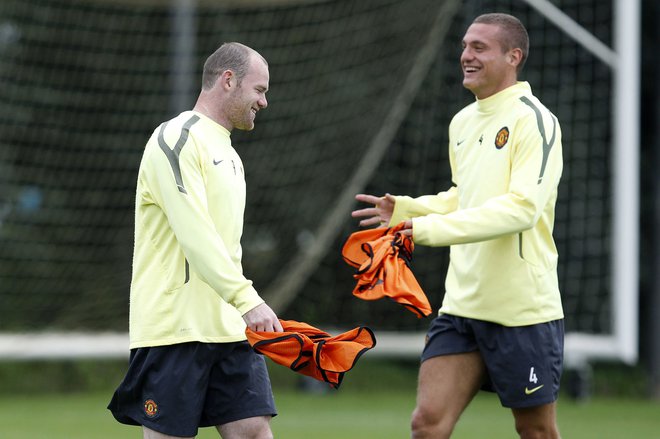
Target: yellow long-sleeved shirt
187, 282
506, 160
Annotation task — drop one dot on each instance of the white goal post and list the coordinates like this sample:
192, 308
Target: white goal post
620, 345
625, 61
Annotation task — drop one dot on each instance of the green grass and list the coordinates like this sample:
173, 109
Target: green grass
337, 415
67, 400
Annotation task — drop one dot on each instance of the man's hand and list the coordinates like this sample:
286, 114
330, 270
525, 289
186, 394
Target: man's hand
380, 214
407, 229
262, 318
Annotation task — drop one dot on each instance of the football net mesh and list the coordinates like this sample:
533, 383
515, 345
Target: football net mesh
361, 97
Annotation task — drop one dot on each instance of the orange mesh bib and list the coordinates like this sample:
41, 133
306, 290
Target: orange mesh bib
312, 352
382, 258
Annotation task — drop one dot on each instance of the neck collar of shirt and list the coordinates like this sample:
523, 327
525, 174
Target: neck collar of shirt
492, 103
215, 124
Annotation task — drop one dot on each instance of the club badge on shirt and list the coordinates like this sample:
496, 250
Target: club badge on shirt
502, 137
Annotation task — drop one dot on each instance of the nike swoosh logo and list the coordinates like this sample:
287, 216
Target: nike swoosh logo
459, 143
217, 162
530, 391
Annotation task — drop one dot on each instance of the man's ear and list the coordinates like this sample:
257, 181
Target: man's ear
515, 57
227, 79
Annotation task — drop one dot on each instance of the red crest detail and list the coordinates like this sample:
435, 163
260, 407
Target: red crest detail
150, 408
502, 137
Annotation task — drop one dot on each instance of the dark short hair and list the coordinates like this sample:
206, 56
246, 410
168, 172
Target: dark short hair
513, 34
229, 56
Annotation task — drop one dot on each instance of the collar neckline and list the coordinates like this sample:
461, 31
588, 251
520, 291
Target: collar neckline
212, 122
491, 103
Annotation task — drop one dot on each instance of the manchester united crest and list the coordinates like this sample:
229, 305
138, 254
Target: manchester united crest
502, 137
150, 408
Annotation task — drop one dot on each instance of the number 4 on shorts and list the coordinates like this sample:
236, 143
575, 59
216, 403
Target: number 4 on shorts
532, 376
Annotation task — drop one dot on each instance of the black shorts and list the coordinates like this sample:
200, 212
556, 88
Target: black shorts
178, 388
523, 363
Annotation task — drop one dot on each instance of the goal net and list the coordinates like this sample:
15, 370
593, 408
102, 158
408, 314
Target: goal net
360, 101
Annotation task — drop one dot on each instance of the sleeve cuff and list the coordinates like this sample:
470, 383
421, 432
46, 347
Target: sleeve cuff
247, 300
400, 212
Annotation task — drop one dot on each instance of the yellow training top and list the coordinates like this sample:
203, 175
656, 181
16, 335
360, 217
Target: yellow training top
506, 160
188, 283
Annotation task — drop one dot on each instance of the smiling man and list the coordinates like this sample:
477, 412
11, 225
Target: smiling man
190, 364
500, 327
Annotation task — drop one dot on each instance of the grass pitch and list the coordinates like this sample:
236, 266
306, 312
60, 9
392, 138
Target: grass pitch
49, 400
335, 415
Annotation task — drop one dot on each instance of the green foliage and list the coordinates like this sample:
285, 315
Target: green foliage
69, 376
619, 380
368, 375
